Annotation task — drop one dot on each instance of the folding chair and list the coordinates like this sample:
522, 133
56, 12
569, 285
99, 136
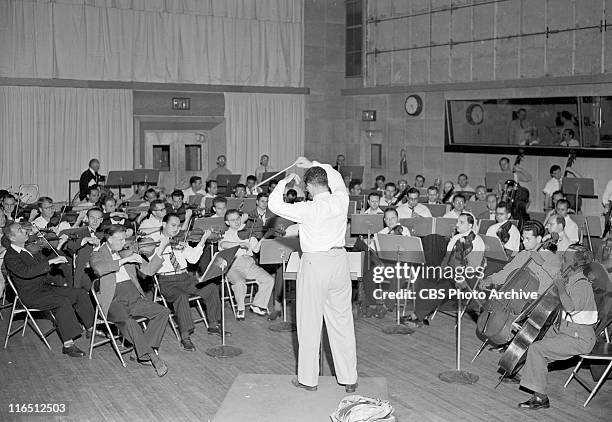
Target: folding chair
18, 308
159, 298
601, 352
251, 286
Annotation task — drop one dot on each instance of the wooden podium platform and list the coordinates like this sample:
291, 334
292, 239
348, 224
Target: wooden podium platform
266, 397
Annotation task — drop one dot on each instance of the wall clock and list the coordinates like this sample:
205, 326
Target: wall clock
474, 114
413, 105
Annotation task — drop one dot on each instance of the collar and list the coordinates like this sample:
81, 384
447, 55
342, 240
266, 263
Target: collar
19, 249
92, 171
320, 195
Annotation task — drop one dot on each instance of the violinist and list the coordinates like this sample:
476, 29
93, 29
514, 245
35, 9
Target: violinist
490, 213
448, 191
400, 195
176, 284
89, 178
219, 206
178, 207
556, 224
9, 209
139, 192
388, 197
251, 190
112, 216
412, 208
458, 207
240, 191
30, 274
157, 212
504, 230
575, 334
244, 267
354, 188
86, 239
392, 226
373, 202
465, 249
261, 215
45, 216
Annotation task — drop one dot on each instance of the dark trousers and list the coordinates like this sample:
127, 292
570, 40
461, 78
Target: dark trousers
64, 302
178, 288
277, 292
127, 305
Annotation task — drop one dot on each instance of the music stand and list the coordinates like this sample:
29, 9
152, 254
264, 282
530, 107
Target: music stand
354, 172
419, 226
366, 224
228, 181
120, 179
359, 199
278, 251
437, 210
493, 180
483, 226
149, 176
494, 248
580, 187
214, 224
195, 200
476, 207
268, 174
242, 204
406, 249
445, 226
218, 266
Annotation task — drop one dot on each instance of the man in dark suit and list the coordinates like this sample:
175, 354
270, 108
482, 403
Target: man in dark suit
30, 274
123, 300
89, 178
82, 246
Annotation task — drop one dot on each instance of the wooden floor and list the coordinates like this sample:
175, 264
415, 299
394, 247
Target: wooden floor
101, 389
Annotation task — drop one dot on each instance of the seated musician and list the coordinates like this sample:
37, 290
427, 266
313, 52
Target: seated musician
379, 183
504, 230
122, 299
178, 207
89, 178
92, 198
176, 284
355, 188
86, 239
392, 226
555, 198
244, 267
149, 196
465, 249
240, 191
448, 192
412, 208
458, 207
433, 195
45, 216
373, 202
30, 274
112, 216
219, 207
251, 190
139, 192
210, 192
571, 228
261, 216
291, 197
419, 181
553, 185
556, 224
575, 334
195, 188
489, 214
481, 193
463, 185
157, 212
388, 197
9, 209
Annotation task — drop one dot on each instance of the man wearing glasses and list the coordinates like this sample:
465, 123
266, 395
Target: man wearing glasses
504, 229
45, 217
157, 212
412, 208
83, 244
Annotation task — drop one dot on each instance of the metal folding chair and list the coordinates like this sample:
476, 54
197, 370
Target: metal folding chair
19, 308
601, 352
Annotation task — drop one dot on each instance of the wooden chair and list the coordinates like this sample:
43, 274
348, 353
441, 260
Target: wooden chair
19, 308
159, 298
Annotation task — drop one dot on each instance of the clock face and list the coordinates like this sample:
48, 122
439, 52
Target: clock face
475, 114
413, 105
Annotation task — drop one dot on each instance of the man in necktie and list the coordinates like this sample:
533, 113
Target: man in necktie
82, 245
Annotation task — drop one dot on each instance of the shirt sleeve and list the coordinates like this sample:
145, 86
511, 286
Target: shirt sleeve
607, 195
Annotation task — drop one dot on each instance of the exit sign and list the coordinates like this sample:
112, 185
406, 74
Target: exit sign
181, 103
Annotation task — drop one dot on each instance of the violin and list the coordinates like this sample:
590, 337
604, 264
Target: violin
503, 232
462, 248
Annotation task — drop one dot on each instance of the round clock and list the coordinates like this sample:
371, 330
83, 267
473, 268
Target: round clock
474, 114
413, 105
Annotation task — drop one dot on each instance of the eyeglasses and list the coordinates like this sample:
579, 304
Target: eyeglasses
160, 209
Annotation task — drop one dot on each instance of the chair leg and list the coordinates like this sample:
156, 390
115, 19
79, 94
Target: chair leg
574, 372
480, 349
230, 296
602, 379
37, 330
201, 312
8, 331
25, 324
93, 333
114, 343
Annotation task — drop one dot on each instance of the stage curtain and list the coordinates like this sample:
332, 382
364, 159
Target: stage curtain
48, 135
235, 42
258, 124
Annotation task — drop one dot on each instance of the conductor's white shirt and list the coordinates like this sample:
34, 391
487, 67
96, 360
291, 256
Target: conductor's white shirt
322, 221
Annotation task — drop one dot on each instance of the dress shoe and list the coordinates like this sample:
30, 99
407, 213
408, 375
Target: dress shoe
535, 403
240, 315
73, 351
412, 322
350, 388
298, 384
259, 311
499, 349
145, 362
159, 365
273, 315
212, 331
187, 345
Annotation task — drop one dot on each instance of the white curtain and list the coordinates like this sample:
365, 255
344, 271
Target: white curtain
258, 124
48, 135
237, 42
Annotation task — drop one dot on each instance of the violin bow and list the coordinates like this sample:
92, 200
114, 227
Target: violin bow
41, 235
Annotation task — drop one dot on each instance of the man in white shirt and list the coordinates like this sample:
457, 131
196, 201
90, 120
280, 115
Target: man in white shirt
244, 267
210, 192
504, 229
264, 167
458, 207
177, 285
324, 284
195, 188
571, 228
392, 226
567, 138
553, 185
412, 208
556, 224
433, 195
389, 195
46, 212
464, 186
373, 202
157, 211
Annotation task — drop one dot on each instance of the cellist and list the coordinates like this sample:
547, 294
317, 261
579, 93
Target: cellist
575, 334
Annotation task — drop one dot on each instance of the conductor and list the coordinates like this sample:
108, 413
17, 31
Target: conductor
323, 281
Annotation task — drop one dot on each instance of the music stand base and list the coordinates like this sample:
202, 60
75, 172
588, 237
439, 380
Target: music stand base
223, 351
397, 329
282, 326
458, 377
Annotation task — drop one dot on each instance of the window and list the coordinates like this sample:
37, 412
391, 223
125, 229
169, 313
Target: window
354, 37
376, 155
161, 157
193, 157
